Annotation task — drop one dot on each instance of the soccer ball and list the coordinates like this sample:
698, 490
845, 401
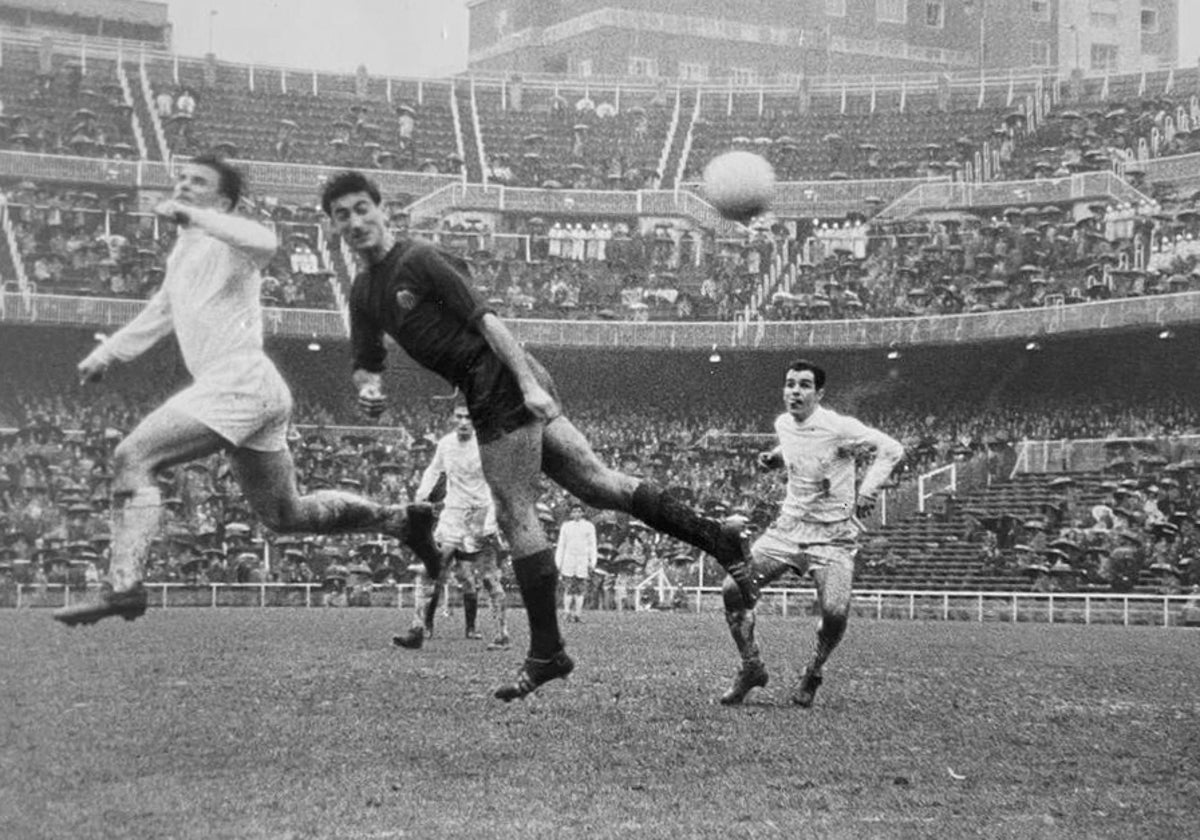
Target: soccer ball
740, 185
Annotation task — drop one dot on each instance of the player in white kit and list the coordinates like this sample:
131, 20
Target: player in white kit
237, 402
816, 528
467, 534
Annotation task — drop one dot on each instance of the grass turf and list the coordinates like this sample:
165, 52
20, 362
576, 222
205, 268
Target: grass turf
293, 723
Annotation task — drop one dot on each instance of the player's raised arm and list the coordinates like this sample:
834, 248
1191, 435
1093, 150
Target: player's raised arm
429, 478
133, 339
255, 240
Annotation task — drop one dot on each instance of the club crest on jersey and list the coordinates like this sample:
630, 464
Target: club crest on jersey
405, 299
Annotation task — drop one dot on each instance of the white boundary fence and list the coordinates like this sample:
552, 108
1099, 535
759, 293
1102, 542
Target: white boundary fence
1093, 608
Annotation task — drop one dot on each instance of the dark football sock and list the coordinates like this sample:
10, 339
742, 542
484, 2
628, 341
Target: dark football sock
664, 513
432, 605
470, 609
537, 578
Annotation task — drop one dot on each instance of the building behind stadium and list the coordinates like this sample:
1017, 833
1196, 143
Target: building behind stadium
787, 41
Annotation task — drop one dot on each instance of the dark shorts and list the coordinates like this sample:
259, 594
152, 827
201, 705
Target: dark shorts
495, 400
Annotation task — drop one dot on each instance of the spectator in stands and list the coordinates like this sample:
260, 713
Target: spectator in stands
164, 103
186, 103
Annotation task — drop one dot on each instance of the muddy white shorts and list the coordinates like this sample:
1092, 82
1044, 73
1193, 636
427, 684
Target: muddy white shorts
246, 402
466, 529
801, 544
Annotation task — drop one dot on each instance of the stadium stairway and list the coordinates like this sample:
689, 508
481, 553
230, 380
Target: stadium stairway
679, 140
12, 268
143, 111
468, 122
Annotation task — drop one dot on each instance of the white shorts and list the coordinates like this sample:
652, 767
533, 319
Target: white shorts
466, 529
802, 544
247, 404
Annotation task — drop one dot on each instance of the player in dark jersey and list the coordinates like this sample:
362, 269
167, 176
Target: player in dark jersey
423, 298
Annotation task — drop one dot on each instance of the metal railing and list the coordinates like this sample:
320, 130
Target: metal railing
1094, 454
966, 328
947, 194
1086, 608
437, 193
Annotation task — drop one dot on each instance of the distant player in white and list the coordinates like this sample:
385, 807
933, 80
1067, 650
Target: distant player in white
237, 401
467, 535
816, 528
575, 554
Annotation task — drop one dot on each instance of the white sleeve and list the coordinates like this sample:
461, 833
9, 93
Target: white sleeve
257, 242
429, 478
139, 335
888, 452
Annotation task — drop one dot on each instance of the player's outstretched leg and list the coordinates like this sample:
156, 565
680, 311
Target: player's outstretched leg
833, 595
723, 540
570, 461
752, 673
136, 523
415, 530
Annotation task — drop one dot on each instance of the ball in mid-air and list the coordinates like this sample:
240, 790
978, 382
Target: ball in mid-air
740, 185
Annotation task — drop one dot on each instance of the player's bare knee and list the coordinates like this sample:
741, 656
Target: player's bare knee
130, 470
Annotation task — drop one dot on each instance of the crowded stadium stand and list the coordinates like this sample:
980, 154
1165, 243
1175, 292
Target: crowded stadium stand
1026, 243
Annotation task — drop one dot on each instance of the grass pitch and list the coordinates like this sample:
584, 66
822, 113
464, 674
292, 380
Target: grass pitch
294, 723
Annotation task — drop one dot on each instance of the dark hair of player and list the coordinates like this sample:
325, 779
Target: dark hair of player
818, 372
344, 183
231, 183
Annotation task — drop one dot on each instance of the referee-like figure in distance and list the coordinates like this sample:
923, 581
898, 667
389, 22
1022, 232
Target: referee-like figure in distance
423, 298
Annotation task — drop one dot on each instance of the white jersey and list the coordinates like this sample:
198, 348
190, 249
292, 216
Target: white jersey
210, 298
466, 487
575, 554
819, 457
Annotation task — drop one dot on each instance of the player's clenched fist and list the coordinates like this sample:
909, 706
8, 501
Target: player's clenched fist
91, 370
771, 460
371, 401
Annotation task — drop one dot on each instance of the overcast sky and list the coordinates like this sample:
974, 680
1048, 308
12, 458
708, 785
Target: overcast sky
391, 37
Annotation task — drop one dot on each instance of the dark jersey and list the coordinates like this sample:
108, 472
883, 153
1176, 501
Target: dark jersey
421, 296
